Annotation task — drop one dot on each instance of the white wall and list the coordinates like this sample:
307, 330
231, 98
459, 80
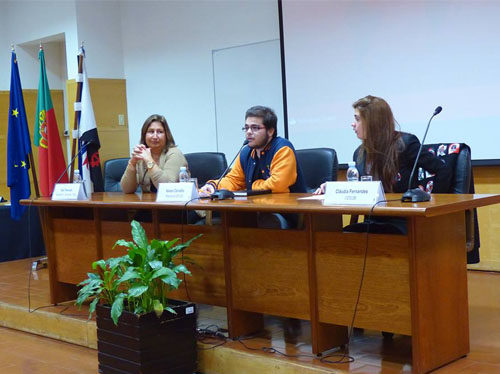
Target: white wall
31, 21
69, 22
99, 27
4, 49
167, 49
258, 81
55, 64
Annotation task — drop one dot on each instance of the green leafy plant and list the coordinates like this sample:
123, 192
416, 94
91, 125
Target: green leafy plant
139, 281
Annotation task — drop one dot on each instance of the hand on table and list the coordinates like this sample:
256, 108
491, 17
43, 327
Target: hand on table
321, 189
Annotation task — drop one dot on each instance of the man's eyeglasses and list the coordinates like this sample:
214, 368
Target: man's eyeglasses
252, 128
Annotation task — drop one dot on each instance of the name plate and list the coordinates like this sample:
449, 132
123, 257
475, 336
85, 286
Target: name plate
176, 192
354, 193
69, 191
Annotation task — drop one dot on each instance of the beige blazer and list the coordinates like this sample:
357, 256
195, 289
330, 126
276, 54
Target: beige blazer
167, 171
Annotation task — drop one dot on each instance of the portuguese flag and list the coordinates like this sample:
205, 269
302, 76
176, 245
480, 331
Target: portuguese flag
51, 164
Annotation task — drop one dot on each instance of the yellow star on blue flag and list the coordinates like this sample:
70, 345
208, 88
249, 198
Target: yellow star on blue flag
15, 112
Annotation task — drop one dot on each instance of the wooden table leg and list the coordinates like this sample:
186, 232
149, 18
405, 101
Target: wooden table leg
324, 336
438, 287
59, 291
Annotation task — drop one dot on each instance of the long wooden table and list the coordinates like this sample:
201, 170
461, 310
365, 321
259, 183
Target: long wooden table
414, 284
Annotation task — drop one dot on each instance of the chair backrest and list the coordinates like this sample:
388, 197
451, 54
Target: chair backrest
113, 171
458, 157
462, 177
318, 165
206, 165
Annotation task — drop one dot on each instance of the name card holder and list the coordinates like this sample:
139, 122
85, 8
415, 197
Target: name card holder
69, 191
176, 192
353, 193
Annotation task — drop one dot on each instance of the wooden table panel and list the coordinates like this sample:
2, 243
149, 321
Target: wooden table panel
384, 304
269, 271
75, 241
207, 284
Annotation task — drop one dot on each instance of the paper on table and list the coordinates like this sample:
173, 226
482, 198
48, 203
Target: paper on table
313, 197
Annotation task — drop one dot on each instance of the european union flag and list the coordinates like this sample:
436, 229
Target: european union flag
18, 145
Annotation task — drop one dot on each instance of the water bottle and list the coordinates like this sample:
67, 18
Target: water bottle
352, 172
183, 174
77, 178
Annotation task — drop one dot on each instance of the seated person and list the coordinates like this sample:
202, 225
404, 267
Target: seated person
268, 163
388, 155
155, 160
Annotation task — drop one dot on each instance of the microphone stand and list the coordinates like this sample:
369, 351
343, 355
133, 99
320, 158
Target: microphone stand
416, 195
223, 194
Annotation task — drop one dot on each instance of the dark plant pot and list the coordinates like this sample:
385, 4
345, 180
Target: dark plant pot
146, 344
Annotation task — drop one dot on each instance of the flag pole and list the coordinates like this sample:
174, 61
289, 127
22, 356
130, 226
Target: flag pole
33, 172
30, 154
76, 122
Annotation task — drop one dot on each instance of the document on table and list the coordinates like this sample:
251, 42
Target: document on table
313, 197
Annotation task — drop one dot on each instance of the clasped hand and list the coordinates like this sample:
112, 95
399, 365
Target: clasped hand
141, 153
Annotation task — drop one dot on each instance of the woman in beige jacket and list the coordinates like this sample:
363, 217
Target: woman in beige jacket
155, 160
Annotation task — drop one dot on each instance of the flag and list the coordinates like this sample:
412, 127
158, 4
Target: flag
89, 162
18, 145
51, 162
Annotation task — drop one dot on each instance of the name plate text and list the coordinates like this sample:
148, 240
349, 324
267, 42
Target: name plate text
176, 192
354, 193
69, 191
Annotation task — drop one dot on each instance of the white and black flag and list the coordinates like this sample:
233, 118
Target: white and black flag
89, 162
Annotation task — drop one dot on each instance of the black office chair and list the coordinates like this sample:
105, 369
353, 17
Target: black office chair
318, 165
458, 157
113, 171
206, 165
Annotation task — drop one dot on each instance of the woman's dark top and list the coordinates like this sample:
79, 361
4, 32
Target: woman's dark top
427, 161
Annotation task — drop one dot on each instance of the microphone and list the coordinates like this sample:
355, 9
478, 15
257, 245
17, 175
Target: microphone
417, 195
223, 193
82, 147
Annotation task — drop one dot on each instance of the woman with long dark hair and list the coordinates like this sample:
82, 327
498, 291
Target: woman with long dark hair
388, 155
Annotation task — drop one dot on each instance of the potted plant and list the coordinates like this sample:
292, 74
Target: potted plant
138, 329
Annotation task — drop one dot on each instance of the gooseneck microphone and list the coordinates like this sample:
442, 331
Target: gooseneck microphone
82, 147
223, 193
416, 195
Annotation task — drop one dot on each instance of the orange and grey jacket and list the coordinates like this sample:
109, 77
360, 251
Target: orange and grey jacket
276, 169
